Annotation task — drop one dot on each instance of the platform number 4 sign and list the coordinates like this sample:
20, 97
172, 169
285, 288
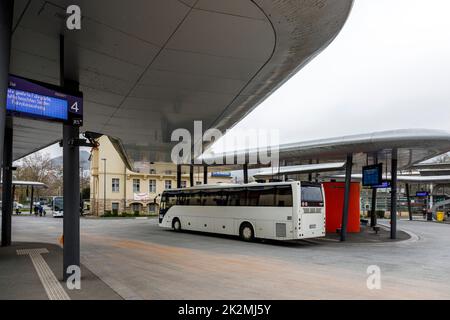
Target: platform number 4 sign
75, 108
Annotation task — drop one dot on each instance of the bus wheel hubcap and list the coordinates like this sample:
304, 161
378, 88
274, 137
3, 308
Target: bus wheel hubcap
247, 233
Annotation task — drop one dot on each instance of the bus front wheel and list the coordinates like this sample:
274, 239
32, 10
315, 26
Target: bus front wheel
246, 232
176, 224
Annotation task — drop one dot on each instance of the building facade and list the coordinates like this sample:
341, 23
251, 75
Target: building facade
114, 189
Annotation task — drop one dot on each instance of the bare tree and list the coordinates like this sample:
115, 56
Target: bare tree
39, 167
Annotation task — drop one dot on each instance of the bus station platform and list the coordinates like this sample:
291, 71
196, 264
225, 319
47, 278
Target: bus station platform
32, 271
368, 235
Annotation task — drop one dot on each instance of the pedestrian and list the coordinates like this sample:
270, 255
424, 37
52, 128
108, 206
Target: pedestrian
36, 210
41, 210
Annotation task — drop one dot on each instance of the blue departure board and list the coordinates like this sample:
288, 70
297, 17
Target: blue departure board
372, 175
36, 104
41, 101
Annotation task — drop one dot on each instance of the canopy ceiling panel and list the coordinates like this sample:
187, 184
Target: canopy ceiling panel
149, 67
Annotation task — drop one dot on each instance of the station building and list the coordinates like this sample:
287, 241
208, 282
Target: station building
116, 190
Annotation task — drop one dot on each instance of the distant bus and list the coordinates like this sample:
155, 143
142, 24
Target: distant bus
281, 211
57, 207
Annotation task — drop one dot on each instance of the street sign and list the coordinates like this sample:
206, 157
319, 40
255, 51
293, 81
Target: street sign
421, 194
42, 101
383, 185
221, 174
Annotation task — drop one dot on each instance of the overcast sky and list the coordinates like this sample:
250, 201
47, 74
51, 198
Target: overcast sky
389, 68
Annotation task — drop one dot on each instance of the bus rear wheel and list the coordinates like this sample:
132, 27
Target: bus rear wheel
176, 224
246, 232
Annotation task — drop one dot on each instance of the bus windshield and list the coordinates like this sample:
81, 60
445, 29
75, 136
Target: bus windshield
58, 203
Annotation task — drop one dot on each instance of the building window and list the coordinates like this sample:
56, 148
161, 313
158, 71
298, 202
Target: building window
115, 185
152, 186
183, 184
115, 207
136, 207
152, 171
136, 185
151, 208
168, 184
168, 172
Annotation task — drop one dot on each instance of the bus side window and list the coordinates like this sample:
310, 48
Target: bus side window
221, 198
195, 199
267, 197
252, 197
283, 196
237, 197
202, 197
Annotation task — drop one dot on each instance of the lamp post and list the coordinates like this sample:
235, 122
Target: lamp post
104, 185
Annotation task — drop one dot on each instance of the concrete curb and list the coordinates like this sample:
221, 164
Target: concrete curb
413, 237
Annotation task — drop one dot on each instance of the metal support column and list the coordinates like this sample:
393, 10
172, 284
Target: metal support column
310, 174
7, 196
71, 192
408, 201
394, 194
13, 193
178, 176
6, 131
6, 18
31, 201
430, 205
316, 178
373, 212
71, 180
205, 174
245, 170
191, 175
348, 180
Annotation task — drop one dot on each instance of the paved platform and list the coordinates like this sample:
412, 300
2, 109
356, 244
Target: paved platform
139, 260
22, 278
368, 235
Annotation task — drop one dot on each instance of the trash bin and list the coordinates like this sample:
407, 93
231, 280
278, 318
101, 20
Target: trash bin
440, 216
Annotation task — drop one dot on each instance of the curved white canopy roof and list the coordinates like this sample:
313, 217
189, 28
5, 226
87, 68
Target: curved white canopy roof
149, 67
413, 146
405, 178
300, 169
34, 184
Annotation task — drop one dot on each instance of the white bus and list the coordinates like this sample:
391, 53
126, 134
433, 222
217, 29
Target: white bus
57, 207
280, 210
